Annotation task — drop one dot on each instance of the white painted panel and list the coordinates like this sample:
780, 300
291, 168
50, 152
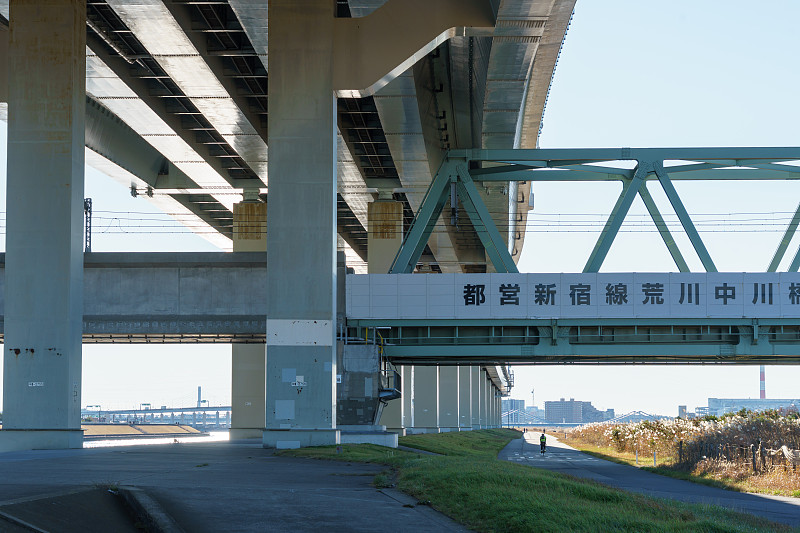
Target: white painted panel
688, 295
615, 295
554, 296
651, 295
762, 295
725, 295
544, 295
790, 294
473, 295
412, 296
441, 295
509, 295
383, 295
579, 295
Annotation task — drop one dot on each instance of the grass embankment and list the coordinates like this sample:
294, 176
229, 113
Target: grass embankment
469, 483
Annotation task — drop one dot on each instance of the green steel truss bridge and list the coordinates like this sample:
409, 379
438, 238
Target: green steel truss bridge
759, 325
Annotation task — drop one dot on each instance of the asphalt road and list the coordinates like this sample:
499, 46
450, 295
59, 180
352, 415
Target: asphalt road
231, 487
566, 460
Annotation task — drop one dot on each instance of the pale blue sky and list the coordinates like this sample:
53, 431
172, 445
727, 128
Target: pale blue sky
678, 73
631, 73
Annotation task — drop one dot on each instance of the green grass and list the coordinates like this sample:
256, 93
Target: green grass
486, 443
469, 483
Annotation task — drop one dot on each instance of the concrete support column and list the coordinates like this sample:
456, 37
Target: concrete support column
248, 361
485, 390
491, 405
448, 398
301, 220
44, 238
393, 414
384, 237
426, 400
475, 393
408, 397
499, 410
384, 234
464, 398
495, 406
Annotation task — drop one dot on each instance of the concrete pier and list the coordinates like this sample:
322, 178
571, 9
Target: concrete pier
301, 221
44, 237
248, 361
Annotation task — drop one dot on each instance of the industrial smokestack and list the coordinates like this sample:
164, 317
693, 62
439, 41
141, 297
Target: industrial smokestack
199, 395
763, 389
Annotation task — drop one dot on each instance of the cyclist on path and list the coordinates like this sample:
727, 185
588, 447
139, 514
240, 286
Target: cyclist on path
543, 442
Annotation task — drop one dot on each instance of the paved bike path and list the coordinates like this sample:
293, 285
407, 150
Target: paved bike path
566, 460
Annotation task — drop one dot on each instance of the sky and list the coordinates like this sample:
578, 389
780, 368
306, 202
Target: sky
631, 73
667, 74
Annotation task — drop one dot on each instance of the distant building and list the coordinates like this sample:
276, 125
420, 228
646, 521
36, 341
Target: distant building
513, 411
720, 406
535, 412
570, 412
574, 412
682, 412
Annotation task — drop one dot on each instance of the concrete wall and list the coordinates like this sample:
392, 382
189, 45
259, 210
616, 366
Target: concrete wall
172, 293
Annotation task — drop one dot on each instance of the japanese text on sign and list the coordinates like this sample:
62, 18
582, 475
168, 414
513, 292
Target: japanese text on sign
553, 296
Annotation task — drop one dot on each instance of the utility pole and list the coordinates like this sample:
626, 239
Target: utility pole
87, 217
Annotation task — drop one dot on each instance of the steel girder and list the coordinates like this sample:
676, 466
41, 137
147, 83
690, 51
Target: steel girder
581, 164
586, 341
452, 181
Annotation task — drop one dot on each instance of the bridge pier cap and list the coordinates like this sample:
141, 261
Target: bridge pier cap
312, 57
371, 51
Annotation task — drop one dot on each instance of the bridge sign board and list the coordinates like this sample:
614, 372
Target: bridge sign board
564, 296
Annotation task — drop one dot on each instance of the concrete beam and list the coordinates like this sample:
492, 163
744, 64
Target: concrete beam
371, 51
110, 137
128, 297
180, 11
141, 88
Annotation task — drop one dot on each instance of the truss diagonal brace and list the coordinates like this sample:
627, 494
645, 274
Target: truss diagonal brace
430, 210
683, 216
615, 219
493, 243
422, 227
787, 238
666, 236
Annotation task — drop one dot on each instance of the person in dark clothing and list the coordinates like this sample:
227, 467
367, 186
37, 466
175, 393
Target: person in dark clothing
543, 442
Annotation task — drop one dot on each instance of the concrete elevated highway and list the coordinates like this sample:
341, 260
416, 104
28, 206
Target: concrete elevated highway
319, 142
174, 100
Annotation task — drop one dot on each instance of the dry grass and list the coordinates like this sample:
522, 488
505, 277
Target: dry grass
711, 451
775, 480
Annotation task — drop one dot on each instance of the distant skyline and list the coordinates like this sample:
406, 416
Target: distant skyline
631, 73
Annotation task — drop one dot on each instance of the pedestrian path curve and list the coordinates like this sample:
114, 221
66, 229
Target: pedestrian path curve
566, 460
